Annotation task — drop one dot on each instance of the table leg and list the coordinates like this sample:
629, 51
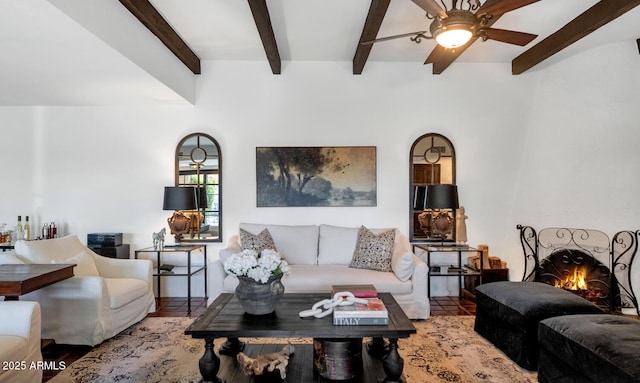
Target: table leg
231, 347
209, 363
377, 347
393, 364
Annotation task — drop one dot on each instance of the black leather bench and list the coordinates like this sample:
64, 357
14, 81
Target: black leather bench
589, 349
508, 314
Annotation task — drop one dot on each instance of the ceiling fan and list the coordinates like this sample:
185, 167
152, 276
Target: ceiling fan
457, 27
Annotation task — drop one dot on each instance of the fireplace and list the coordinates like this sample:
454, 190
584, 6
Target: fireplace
580, 273
583, 261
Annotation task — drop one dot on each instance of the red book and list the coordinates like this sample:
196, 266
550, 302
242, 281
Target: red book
358, 291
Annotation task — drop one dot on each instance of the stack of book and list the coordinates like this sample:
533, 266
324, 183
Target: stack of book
372, 313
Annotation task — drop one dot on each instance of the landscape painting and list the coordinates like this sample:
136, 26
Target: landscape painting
316, 176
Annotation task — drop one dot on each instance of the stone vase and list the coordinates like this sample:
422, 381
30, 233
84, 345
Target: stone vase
259, 298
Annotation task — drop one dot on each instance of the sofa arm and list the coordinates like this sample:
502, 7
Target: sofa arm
124, 268
20, 318
216, 276
420, 279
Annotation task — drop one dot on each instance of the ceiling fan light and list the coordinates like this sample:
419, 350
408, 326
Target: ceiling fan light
453, 38
455, 30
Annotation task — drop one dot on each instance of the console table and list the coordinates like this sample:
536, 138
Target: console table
457, 270
225, 318
178, 271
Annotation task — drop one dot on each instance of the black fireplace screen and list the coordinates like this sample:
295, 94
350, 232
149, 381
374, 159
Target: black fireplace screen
584, 262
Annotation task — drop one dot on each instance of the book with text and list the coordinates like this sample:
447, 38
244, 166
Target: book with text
374, 308
360, 321
359, 291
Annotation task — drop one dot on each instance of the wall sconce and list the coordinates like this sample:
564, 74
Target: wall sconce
179, 199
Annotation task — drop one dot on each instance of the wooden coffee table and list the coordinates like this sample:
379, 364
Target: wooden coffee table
16, 280
225, 318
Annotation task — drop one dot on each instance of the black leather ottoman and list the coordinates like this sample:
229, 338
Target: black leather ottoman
589, 348
508, 313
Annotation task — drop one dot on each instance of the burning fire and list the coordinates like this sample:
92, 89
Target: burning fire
577, 281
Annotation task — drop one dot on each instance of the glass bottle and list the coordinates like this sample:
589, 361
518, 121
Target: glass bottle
19, 230
27, 229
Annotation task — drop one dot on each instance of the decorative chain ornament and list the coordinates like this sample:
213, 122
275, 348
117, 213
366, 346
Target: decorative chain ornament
325, 307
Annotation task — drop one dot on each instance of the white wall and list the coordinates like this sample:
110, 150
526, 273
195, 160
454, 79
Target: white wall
550, 147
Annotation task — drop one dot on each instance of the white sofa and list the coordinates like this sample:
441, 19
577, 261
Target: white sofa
20, 342
104, 297
319, 257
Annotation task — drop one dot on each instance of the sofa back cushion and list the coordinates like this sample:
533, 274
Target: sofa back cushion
48, 250
336, 244
85, 266
298, 245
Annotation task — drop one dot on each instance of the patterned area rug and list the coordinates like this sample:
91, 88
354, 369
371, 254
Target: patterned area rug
445, 349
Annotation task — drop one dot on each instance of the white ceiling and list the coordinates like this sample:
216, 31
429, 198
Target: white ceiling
50, 58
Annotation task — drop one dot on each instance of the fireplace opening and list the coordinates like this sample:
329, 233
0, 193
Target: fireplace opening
580, 273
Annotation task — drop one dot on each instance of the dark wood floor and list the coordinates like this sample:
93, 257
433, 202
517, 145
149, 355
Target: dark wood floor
177, 307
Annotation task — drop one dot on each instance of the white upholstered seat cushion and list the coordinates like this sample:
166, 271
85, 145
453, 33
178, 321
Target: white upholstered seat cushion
310, 278
123, 291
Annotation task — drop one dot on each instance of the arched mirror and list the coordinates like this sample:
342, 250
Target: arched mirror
432, 162
199, 163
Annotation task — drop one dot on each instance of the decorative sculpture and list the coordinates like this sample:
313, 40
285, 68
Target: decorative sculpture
158, 239
461, 227
274, 361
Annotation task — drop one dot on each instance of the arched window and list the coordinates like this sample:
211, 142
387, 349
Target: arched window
199, 163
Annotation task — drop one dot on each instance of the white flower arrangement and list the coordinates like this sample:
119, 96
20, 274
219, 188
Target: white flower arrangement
257, 266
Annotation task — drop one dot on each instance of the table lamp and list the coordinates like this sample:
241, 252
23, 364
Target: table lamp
179, 198
440, 199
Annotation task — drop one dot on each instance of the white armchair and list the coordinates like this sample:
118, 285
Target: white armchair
20, 342
104, 297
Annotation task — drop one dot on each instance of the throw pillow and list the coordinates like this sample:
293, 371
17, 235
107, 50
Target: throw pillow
257, 242
373, 252
85, 266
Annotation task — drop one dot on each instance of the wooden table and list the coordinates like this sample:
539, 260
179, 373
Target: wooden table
225, 318
16, 280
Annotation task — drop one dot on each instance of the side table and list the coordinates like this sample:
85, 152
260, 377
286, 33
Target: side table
458, 270
178, 271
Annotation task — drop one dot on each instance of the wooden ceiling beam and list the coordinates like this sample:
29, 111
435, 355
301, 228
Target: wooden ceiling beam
265, 29
153, 20
377, 10
590, 20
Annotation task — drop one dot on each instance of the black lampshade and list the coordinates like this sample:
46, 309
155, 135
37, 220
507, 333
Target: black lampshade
179, 198
202, 197
442, 196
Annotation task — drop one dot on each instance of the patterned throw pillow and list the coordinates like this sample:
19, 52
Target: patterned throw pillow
373, 252
257, 242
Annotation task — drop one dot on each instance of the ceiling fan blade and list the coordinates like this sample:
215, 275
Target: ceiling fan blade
395, 37
504, 6
437, 54
505, 36
442, 58
431, 7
